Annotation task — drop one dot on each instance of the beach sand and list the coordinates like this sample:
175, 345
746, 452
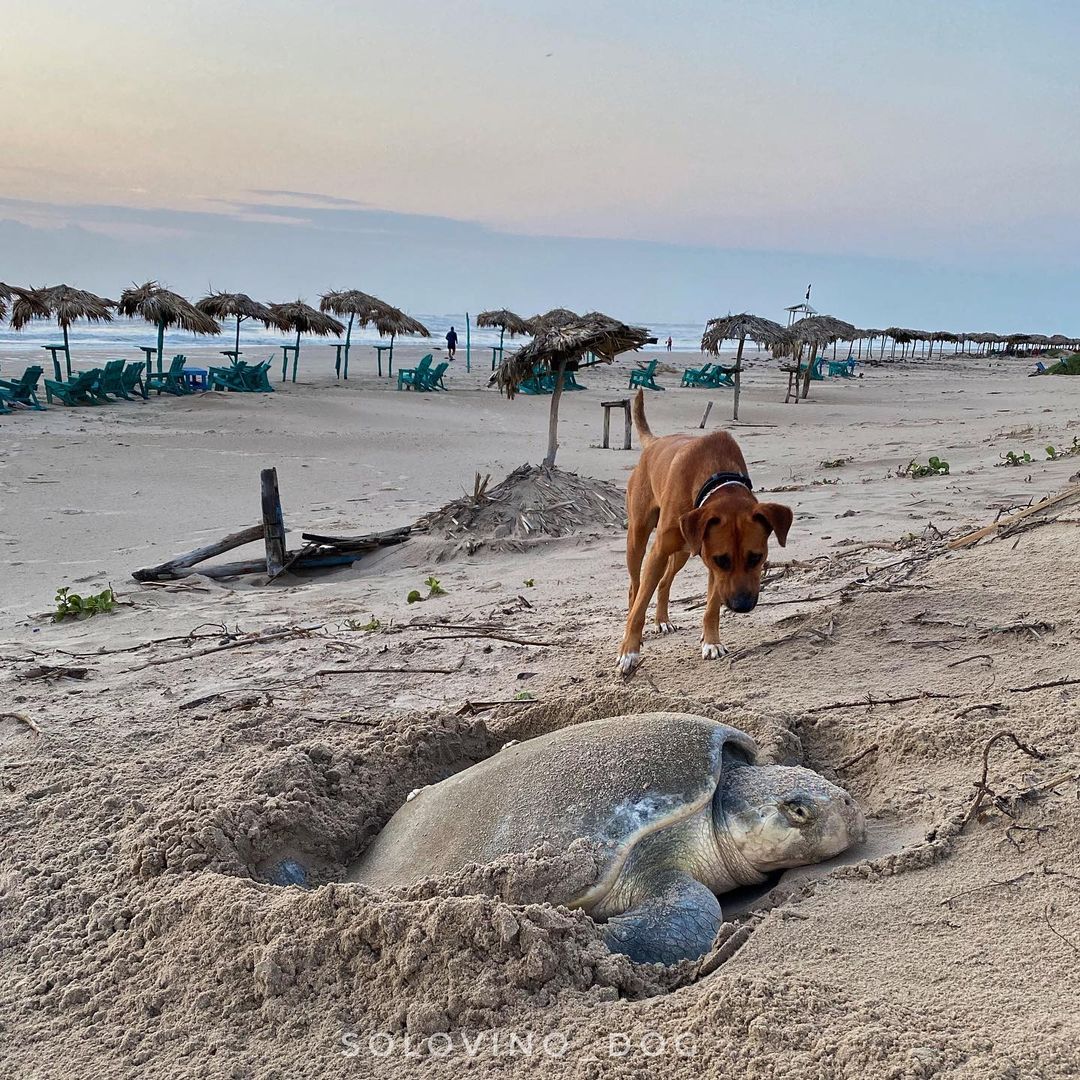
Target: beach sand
141, 821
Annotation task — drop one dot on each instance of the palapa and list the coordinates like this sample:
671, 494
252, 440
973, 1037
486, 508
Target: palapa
304, 319
740, 328
63, 303
560, 341
156, 304
359, 306
238, 306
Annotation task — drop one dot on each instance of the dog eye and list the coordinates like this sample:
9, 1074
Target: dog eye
722, 561
753, 559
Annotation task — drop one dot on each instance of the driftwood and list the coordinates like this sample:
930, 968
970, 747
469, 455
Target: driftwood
181, 565
360, 543
273, 523
1004, 524
982, 789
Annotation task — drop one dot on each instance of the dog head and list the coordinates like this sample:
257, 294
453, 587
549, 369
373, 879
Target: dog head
734, 544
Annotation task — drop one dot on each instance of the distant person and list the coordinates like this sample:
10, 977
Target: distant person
451, 343
669, 343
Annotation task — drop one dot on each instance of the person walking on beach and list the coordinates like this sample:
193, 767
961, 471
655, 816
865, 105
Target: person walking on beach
669, 343
451, 343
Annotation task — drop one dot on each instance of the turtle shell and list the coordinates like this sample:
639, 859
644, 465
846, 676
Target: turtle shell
610, 781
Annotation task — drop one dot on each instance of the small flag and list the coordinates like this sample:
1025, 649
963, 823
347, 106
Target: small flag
808, 288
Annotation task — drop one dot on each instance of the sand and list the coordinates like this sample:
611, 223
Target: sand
139, 936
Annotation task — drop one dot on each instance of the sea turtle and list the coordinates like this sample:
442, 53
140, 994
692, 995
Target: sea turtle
677, 803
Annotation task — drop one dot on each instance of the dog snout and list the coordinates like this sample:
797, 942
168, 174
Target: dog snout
743, 602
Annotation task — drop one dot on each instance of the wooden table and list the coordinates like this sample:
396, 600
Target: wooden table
53, 350
285, 350
624, 404
379, 350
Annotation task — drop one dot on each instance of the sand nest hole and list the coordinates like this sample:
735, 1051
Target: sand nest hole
465, 951
532, 502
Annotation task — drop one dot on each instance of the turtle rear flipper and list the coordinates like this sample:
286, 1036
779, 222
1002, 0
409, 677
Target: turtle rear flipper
677, 921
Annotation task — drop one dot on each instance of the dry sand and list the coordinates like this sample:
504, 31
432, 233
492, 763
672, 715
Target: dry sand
138, 936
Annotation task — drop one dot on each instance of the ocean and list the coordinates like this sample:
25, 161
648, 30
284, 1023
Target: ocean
127, 335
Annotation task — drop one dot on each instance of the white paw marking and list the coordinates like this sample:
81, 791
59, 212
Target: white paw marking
667, 628
627, 662
712, 651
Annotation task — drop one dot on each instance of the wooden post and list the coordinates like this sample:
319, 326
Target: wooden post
553, 418
468, 343
607, 428
738, 378
629, 424
273, 522
705, 416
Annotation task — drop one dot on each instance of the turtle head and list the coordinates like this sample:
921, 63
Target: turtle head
772, 817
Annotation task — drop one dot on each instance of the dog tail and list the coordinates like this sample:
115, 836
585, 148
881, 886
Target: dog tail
645, 435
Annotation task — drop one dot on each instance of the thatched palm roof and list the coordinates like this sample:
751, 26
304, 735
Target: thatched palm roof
239, 306
554, 319
1060, 339
156, 304
736, 327
304, 319
554, 346
394, 322
60, 302
504, 320
5, 294
353, 302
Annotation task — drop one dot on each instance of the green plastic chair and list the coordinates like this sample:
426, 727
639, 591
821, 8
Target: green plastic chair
433, 380
23, 391
171, 381
646, 377
132, 379
112, 380
78, 391
415, 377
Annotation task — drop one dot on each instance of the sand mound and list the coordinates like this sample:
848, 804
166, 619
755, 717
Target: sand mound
533, 501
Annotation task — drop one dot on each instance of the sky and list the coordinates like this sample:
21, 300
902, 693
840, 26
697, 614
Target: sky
917, 161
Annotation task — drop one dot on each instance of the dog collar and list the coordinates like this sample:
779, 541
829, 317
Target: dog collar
719, 480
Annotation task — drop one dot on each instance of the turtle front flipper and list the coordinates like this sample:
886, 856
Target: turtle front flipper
678, 920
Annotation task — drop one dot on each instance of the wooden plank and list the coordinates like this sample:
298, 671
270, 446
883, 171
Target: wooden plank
361, 543
986, 530
167, 570
273, 522
705, 415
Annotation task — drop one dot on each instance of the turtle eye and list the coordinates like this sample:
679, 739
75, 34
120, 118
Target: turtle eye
797, 813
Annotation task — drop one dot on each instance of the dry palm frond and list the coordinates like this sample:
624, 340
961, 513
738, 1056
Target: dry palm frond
156, 304
302, 318
223, 305
358, 305
395, 322
735, 327
504, 320
554, 346
553, 319
60, 302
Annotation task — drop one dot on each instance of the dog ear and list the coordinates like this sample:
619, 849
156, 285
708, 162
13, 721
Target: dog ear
693, 526
775, 518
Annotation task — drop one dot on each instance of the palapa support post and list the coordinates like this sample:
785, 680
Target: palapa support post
738, 378
705, 415
624, 404
273, 522
468, 344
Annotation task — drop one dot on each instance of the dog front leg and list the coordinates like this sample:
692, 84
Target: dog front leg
630, 650
675, 563
711, 649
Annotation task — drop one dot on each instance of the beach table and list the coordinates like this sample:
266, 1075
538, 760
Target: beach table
341, 345
233, 355
196, 378
286, 349
150, 351
379, 350
53, 350
496, 356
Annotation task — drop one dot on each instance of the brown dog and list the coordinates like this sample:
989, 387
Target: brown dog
694, 491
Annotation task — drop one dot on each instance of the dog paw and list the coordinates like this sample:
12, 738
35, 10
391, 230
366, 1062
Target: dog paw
667, 628
627, 662
712, 651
